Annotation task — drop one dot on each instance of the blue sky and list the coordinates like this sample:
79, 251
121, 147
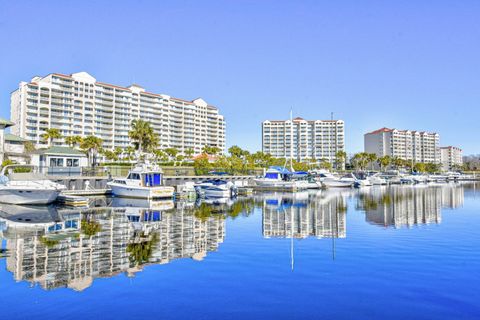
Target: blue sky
405, 64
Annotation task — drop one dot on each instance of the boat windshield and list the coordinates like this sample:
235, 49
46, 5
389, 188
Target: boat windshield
4, 180
153, 179
133, 176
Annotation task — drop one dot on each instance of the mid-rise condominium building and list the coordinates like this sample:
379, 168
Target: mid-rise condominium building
418, 146
452, 158
303, 139
78, 104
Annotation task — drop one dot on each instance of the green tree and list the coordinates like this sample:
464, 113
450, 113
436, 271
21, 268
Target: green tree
73, 141
172, 153
211, 150
325, 164
420, 167
384, 162
340, 158
110, 155
236, 151
160, 155
91, 145
130, 153
189, 153
143, 135
201, 164
360, 160
50, 134
371, 158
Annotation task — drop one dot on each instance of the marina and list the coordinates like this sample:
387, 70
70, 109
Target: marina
346, 241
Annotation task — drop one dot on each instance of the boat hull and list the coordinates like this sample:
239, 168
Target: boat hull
26, 196
277, 183
337, 184
120, 190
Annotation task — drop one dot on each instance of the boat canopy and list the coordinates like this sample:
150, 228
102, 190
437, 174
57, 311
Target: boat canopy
152, 179
215, 182
300, 173
279, 169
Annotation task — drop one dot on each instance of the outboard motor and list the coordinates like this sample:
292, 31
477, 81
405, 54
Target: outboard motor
233, 190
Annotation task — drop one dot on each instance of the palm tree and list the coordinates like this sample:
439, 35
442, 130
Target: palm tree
210, 150
91, 145
72, 141
172, 153
397, 162
189, 153
50, 135
371, 158
340, 157
384, 162
143, 135
129, 151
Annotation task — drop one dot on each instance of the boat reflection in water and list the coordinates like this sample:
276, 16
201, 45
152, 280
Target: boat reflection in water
400, 206
60, 247
70, 248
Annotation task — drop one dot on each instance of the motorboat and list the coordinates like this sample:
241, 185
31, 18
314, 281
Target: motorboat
419, 178
216, 188
25, 188
279, 177
144, 182
438, 178
361, 179
306, 179
377, 180
330, 181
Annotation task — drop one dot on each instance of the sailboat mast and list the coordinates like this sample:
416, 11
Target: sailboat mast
291, 139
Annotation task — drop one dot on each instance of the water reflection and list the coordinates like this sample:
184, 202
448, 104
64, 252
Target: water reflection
70, 248
304, 214
400, 206
64, 247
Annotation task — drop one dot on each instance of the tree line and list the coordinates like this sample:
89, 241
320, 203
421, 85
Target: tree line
145, 143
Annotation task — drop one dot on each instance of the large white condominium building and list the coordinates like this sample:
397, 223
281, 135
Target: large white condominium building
302, 139
418, 146
78, 104
452, 157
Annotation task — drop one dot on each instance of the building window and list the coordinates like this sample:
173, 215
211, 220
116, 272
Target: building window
56, 162
72, 163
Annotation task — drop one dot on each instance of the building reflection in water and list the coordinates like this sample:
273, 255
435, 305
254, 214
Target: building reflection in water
305, 214
400, 206
70, 248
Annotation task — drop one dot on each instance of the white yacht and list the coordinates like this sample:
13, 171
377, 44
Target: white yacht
331, 181
216, 188
27, 187
144, 181
377, 180
279, 177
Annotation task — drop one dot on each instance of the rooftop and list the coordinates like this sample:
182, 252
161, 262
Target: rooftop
84, 76
385, 129
6, 123
298, 119
14, 138
60, 151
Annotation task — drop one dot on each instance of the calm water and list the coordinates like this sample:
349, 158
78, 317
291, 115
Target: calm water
398, 252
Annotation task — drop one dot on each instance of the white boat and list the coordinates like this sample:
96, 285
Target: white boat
377, 180
438, 178
27, 187
279, 177
144, 182
331, 181
419, 178
216, 188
